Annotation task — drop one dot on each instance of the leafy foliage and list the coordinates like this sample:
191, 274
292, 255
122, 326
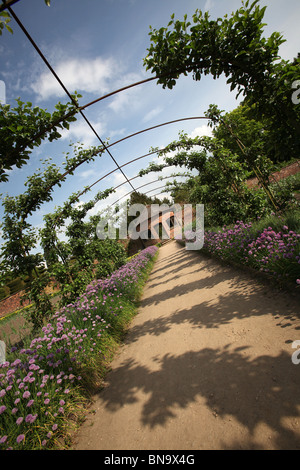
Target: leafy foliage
4, 20
21, 238
231, 45
236, 47
24, 127
220, 175
72, 263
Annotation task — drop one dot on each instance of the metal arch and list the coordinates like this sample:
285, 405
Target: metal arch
142, 156
80, 109
64, 87
154, 127
7, 3
130, 192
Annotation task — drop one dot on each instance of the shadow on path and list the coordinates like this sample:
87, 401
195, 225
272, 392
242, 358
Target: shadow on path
230, 381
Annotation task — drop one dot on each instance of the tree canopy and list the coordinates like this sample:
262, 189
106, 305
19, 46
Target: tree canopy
236, 47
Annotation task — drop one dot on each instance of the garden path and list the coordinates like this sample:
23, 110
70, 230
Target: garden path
206, 364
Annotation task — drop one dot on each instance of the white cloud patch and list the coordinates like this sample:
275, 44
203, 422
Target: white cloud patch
80, 131
87, 173
208, 5
201, 131
152, 114
128, 99
122, 100
89, 75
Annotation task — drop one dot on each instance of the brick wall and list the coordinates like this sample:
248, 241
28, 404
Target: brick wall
12, 303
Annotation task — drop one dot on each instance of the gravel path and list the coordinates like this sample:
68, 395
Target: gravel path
206, 364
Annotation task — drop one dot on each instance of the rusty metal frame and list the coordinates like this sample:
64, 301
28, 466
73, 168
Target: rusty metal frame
7, 5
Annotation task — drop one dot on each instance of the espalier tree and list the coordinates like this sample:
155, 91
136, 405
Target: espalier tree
24, 127
20, 135
252, 156
71, 263
20, 238
236, 47
219, 182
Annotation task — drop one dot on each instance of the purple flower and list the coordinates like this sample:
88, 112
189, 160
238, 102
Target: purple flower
54, 427
2, 409
19, 420
30, 418
20, 438
26, 394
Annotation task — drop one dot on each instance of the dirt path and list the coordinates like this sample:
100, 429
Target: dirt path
206, 365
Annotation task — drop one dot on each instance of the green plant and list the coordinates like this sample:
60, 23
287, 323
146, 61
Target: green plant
236, 47
36, 294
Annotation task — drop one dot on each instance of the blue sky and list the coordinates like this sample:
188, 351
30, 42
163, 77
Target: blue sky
98, 46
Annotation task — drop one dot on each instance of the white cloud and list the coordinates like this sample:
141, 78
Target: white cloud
78, 204
153, 113
201, 131
117, 132
80, 131
90, 75
208, 5
122, 100
87, 173
128, 99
